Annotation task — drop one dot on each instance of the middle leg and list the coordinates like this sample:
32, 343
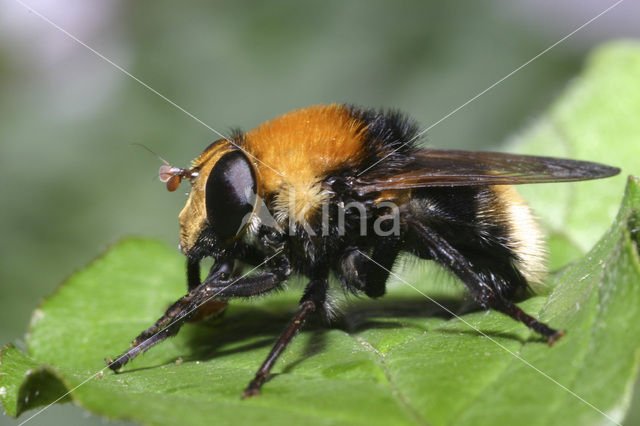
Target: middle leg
358, 271
315, 295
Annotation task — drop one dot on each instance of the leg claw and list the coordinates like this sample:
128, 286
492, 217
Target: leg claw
250, 392
555, 337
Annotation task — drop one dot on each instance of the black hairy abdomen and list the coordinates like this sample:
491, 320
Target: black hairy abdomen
472, 219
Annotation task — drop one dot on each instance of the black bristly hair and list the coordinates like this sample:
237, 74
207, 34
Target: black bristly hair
390, 135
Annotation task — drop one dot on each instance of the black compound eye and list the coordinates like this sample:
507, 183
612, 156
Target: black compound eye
230, 194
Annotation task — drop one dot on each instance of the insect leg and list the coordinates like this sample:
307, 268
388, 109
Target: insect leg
445, 254
220, 270
370, 275
352, 269
183, 309
384, 256
314, 297
193, 273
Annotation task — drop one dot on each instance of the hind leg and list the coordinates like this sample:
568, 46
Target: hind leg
483, 292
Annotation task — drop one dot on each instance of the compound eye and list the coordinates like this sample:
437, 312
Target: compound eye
230, 194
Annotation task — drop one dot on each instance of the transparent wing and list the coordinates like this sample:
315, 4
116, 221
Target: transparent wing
464, 168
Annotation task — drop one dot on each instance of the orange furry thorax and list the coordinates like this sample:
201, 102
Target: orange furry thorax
304, 145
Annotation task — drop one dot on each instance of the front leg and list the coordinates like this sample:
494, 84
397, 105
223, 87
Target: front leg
220, 270
185, 308
223, 267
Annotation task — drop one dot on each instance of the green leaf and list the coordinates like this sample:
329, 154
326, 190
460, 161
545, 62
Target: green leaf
398, 360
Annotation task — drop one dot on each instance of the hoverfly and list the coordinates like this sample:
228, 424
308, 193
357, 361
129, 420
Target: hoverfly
348, 191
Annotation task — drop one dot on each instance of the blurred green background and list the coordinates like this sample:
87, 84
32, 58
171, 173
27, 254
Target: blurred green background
73, 182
